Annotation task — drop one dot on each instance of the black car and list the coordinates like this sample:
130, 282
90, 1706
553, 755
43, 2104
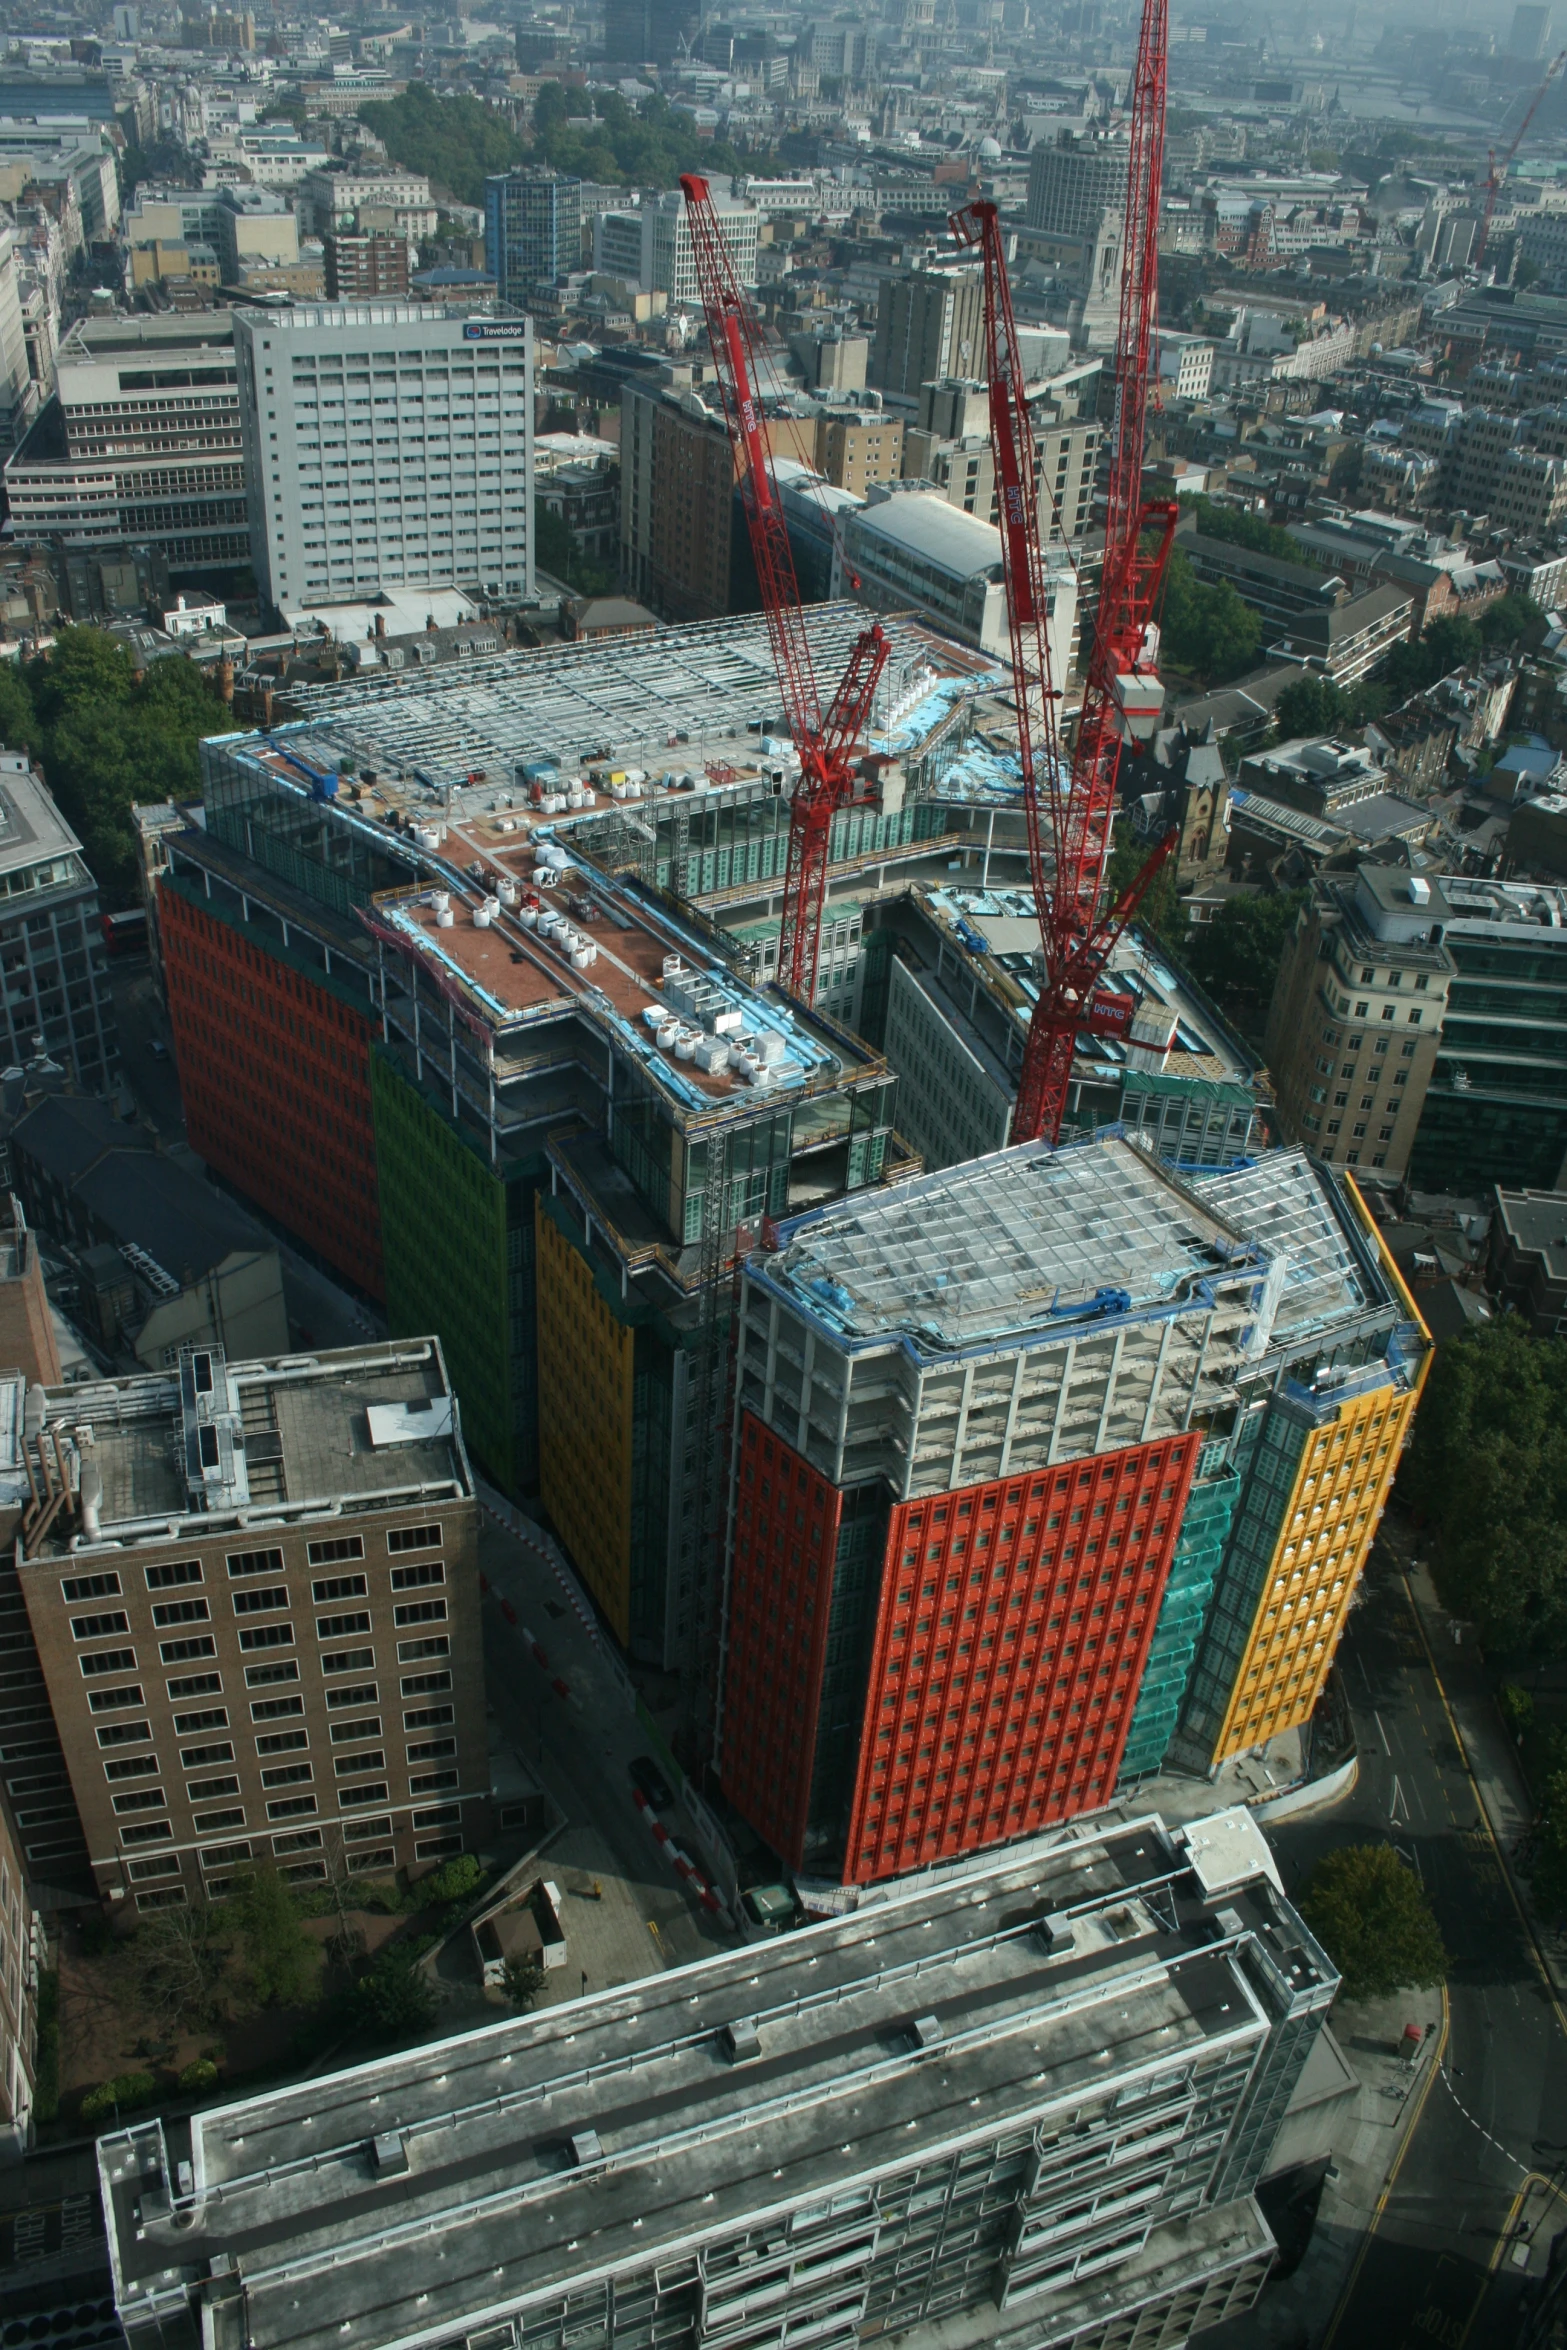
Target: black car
650, 1781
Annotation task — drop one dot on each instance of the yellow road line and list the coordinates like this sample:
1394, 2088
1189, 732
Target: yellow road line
1375, 2221
1524, 1920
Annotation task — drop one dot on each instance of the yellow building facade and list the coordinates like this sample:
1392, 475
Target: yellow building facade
1317, 1486
586, 1384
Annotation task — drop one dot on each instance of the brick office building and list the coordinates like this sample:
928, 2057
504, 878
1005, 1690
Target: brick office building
966, 1436
257, 1615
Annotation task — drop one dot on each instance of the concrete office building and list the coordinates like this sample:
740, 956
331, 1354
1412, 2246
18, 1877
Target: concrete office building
1073, 183
950, 447
257, 1614
333, 199
141, 443
1357, 1014
910, 550
930, 323
967, 1422
51, 945
1058, 2082
386, 445
532, 231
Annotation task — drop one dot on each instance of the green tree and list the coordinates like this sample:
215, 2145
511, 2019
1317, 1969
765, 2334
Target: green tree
523, 1983
164, 160
455, 1880
455, 140
110, 739
1311, 705
19, 726
280, 1958
555, 553
172, 1964
1160, 910
1368, 1910
1240, 529
1236, 955
1207, 631
1488, 1463
1512, 620
394, 2000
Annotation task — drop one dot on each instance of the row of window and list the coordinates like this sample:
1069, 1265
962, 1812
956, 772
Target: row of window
123, 1696
328, 1551
264, 1598
95, 1662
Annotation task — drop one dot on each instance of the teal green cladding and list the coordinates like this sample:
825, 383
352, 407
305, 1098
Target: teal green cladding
1199, 1548
458, 1242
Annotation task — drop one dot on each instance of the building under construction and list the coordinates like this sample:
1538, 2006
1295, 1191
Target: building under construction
1037, 1462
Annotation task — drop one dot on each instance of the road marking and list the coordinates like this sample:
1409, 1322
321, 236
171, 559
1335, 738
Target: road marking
1377, 1718
1424, 2091
1485, 1822
1398, 1798
1447, 2084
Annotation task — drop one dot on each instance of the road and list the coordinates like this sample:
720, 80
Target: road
1438, 2267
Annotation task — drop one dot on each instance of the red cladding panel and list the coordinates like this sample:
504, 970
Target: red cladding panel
780, 1588
275, 1078
1014, 1627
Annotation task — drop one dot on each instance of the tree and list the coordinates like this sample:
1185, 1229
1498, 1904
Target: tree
1511, 620
1368, 1910
280, 1957
523, 1983
19, 727
1161, 910
1311, 705
1207, 631
394, 2000
173, 1962
1548, 1852
1236, 955
1240, 529
1488, 1462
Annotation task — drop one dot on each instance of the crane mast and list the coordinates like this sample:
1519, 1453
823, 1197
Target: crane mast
823, 740
1122, 693
1493, 177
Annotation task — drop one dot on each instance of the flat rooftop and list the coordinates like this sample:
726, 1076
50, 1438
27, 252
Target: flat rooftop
670, 698
1027, 1240
411, 2200
289, 1438
32, 829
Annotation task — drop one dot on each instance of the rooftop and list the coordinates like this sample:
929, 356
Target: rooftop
1300, 1212
924, 522
251, 1444
1019, 1243
415, 2199
32, 830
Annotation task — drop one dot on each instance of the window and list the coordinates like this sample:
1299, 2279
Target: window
258, 1601
194, 1685
123, 1733
79, 1587
414, 1538
181, 1611
207, 1790
410, 1578
418, 1684
360, 1693
97, 1627
180, 1652
347, 1660
408, 1651
288, 1775
215, 1717
375, 1792
103, 1701
131, 1766
420, 1611
254, 1562
291, 1807
283, 1742
108, 1660
151, 1832
330, 1587
196, 1758
267, 1636
328, 1554
179, 1571
301, 1840
213, 1823
426, 1717
431, 1750
263, 1676
362, 1726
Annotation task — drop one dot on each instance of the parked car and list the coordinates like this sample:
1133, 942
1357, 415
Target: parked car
650, 1782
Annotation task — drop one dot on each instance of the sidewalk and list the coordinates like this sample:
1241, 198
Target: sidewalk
1371, 2137
1489, 1756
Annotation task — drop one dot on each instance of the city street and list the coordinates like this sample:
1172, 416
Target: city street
1440, 2264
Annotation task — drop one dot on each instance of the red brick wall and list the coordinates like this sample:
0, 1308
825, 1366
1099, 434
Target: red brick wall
1058, 1579
275, 1078
780, 1589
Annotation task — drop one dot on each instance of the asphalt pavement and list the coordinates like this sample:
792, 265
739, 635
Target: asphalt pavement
1470, 2206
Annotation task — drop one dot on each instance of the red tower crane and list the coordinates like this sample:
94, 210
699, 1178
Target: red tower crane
1069, 809
1493, 177
823, 739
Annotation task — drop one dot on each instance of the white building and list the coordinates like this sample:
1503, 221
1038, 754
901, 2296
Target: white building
386, 444
910, 550
334, 200
650, 247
